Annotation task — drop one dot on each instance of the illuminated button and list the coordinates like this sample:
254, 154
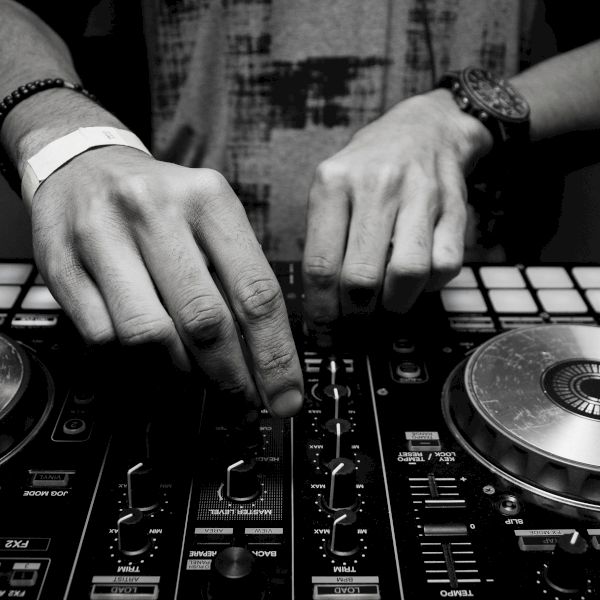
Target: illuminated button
14, 273
463, 301
587, 277
513, 301
8, 296
39, 298
465, 279
562, 301
549, 277
593, 297
502, 277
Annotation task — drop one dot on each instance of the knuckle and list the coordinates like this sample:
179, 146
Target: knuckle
320, 271
211, 182
145, 329
205, 320
260, 298
96, 336
332, 173
361, 276
410, 268
278, 360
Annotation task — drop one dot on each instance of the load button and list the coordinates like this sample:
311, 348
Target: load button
124, 592
358, 591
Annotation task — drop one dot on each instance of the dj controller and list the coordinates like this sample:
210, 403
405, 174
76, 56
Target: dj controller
453, 454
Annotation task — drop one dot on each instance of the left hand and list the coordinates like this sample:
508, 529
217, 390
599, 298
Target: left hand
387, 214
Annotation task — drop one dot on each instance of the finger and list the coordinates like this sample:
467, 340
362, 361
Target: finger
254, 295
369, 238
449, 236
77, 294
326, 232
136, 312
409, 266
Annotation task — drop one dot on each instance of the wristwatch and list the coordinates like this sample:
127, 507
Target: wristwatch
493, 101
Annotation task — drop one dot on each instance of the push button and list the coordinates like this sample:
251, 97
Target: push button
14, 273
587, 277
124, 592
501, 277
22, 579
39, 298
8, 296
562, 301
513, 301
465, 279
463, 301
548, 277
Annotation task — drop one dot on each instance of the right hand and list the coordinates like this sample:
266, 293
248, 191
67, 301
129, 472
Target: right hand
124, 242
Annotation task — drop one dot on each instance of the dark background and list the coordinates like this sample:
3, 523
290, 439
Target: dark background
557, 195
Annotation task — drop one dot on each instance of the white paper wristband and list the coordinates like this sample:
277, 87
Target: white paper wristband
59, 152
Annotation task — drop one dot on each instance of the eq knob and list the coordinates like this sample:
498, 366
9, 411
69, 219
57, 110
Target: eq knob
241, 482
337, 440
332, 371
566, 568
133, 538
234, 574
341, 485
333, 398
344, 534
142, 487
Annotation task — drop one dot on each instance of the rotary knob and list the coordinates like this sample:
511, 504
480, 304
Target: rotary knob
566, 569
234, 574
332, 371
241, 482
341, 485
344, 534
337, 440
334, 398
133, 536
142, 487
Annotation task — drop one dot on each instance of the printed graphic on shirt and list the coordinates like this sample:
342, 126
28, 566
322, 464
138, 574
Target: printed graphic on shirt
264, 90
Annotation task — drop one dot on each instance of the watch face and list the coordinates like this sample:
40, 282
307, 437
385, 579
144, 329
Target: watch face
496, 96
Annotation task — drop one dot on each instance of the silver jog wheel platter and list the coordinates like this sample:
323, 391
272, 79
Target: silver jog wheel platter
526, 404
26, 396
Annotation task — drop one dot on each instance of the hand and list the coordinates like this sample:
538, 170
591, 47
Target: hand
387, 214
124, 241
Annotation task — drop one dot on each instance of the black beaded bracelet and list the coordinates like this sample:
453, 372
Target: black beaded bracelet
22, 93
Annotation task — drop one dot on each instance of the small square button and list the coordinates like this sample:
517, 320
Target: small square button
513, 301
14, 273
587, 277
8, 296
502, 277
39, 298
562, 301
549, 277
465, 279
593, 297
463, 301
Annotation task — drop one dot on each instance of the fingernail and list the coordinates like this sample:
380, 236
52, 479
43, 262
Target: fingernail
288, 403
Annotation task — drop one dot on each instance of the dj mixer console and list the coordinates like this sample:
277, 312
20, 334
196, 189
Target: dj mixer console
454, 455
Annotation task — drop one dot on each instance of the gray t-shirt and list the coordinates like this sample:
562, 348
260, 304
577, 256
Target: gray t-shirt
264, 90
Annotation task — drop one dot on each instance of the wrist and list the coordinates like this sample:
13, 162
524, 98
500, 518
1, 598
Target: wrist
47, 116
471, 137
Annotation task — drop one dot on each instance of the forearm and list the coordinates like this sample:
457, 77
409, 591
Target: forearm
30, 50
563, 92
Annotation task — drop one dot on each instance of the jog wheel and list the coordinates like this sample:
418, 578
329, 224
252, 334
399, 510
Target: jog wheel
26, 395
526, 404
